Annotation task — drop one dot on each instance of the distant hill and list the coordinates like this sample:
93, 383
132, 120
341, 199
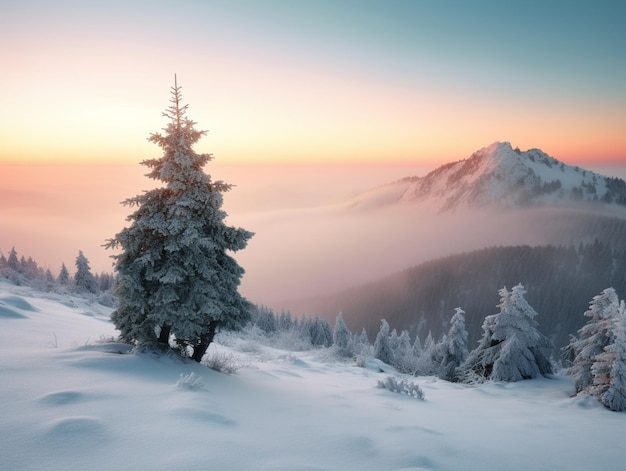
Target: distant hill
559, 230
561, 281
502, 176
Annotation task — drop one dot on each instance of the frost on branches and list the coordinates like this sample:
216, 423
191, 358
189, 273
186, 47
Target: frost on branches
511, 349
176, 280
599, 353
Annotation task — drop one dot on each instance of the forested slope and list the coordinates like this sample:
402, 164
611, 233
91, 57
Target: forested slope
561, 281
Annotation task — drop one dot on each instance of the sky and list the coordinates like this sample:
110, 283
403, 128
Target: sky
313, 81
305, 103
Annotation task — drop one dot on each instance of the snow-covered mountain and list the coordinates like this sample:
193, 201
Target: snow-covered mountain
501, 175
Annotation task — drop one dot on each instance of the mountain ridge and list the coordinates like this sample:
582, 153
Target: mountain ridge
499, 175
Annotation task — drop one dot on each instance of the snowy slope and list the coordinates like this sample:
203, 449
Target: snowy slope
73, 400
503, 176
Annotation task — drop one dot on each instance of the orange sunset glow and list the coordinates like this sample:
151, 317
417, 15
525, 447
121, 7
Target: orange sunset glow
306, 103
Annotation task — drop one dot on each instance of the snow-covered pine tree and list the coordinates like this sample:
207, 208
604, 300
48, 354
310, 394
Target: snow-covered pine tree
522, 351
342, 337
511, 349
175, 276
264, 318
360, 346
64, 275
455, 351
404, 359
382, 347
13, 262
425, 362
83, 278
479, 364
614, 397
593, 337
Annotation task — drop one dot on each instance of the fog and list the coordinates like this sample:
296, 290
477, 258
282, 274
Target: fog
309, 252
308, 241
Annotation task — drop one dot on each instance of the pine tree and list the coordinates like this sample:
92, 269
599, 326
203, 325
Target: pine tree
593, 337
64, 275
83, 277
425, 363
175, 276
382, 347
455, 350
342, 336
614, 396
522, 349
478, 365
511, 349
404, 359
13, 262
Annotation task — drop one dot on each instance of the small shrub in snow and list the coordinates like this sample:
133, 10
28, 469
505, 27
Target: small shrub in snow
402, 387
223, 362
191, 382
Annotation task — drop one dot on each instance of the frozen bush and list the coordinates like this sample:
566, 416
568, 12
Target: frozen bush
223, 362
190, 381
402, 387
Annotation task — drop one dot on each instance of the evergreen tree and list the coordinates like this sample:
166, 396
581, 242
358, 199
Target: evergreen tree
512, 349
175, 276
382, 348
455, 349
264, 318
614, 396
64, 275
13, 262
593, 337
523, 349
83, 277
426, 364
285, 322
479, 365
404, 359
49, 280
342, 336
360, 345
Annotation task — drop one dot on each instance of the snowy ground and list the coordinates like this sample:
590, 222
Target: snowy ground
70, 401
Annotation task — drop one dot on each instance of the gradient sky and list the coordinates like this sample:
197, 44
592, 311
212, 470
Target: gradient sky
314, 81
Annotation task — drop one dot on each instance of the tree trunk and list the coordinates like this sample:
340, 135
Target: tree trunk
164, 336
205, 340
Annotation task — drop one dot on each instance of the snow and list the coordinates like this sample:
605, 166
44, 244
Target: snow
494, 174
72, 398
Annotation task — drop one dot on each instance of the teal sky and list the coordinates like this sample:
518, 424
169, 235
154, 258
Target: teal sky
340, 80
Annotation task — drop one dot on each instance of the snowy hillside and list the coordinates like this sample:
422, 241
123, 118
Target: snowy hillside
73, 399
501, 175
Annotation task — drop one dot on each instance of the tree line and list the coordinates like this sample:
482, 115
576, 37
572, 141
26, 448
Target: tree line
559, 281
26, 271
511, 347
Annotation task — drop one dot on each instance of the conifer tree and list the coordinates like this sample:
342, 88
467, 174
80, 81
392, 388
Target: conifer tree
83, 277
455, 349
522, 351
342, 336
404, 359
382, 347
64, 275
593, 337
176, 278
13, 262
614, 396
512, 349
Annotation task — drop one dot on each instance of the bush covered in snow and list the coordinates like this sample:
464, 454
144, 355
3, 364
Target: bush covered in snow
402, 387
223, 362
190, 381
